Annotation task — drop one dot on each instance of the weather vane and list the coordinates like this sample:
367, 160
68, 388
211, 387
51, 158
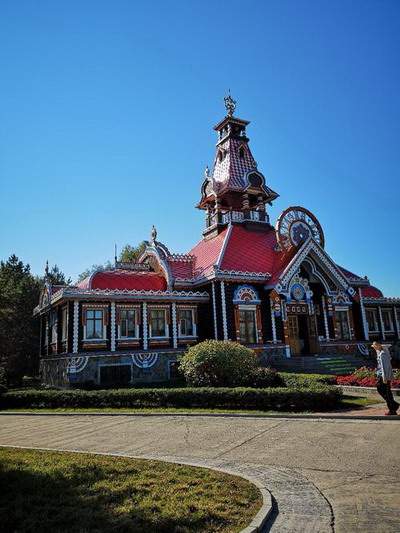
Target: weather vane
230, 104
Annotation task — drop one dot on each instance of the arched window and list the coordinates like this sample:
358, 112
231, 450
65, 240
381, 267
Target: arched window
241, 152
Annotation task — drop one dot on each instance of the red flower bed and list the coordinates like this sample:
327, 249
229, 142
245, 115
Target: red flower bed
359, 379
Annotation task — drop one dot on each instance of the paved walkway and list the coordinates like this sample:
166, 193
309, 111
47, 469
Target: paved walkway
324, 475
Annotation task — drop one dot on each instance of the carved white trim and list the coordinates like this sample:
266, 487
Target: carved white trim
271, 304
145, 332
174, 326
112, 326
223, 247
144, 360
382, 324
364, 316
76, 364
241, 273
223, 303
75, 327
214, 311
325, 318
326, 261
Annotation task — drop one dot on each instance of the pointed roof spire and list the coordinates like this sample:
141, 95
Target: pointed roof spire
46, 269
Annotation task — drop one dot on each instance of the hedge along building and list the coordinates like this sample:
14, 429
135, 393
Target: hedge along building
273, 288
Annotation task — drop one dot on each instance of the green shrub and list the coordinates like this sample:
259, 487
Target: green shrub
317, 398
218, 364
306, 380
266, 377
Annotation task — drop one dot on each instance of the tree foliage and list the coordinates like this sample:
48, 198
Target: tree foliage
128, 254
19, 330
131, 253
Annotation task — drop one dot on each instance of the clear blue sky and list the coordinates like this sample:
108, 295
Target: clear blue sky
107, 108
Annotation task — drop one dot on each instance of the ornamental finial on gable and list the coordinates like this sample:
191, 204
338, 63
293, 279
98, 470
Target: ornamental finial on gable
153, 235
230, 104
46, 270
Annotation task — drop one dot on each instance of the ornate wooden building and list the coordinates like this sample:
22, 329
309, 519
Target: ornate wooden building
271, 287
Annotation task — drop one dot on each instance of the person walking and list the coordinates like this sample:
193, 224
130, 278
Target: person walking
384, 374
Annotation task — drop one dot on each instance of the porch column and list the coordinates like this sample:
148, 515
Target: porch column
381, 321
174, 326
75, 327
285, 330
214, 311
223, 303
145, 338
112, 325
271, 304
325, 318
364, 317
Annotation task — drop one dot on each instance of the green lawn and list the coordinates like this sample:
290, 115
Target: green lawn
347, 402
70, 492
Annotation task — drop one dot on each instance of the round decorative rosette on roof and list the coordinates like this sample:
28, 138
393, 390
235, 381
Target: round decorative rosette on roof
296, 225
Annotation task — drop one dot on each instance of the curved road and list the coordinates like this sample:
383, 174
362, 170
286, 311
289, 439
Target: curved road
324, 475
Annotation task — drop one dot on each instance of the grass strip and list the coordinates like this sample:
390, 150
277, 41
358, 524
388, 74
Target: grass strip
67, 492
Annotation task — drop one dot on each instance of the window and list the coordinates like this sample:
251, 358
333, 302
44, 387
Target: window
241, 152
53, 326
342, 324
372, 320
158, 323
387, 320
186, 325
46, 332
64, 323
128, 324
94, 324
247, 324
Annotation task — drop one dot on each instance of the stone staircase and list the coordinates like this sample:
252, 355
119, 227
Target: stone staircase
319, 364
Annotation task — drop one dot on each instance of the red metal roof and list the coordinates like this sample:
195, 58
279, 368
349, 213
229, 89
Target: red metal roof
181, 269
244, 251
124, 279
206, 254
251, 251
371, 292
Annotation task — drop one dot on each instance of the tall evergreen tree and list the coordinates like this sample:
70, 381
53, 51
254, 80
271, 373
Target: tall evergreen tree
19, 330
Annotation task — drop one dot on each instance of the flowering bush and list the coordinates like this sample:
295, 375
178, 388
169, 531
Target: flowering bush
365, 377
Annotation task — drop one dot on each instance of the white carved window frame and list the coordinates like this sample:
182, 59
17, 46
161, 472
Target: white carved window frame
375, 318
166, 310
135, 308
94, 307
193, 309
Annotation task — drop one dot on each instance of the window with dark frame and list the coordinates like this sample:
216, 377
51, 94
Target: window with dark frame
247, 324
342, 322
128, 323
94, 324
186, 326
158, 323
64, 323
372, 320
53, 326
387, 320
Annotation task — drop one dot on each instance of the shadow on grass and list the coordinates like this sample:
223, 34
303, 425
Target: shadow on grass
31, 501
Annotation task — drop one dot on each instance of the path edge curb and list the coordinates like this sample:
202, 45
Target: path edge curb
259, 520
214, 415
